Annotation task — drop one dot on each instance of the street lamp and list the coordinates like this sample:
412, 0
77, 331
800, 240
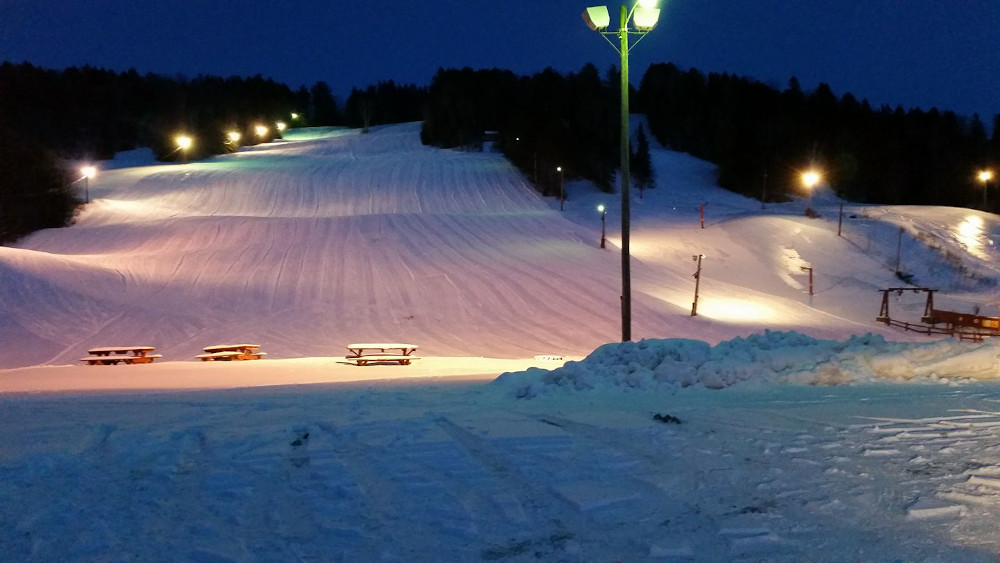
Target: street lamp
87, 172
183, 144
281, 126
985, 176
604, 214
233, 139
644, 15
260, 130
562, 190
809, 179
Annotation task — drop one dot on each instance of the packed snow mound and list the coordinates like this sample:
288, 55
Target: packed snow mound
770, 357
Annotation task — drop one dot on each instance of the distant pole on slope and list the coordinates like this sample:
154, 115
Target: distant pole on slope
899, 251
697, 280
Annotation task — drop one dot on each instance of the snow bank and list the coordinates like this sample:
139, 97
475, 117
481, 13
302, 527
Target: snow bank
770, 357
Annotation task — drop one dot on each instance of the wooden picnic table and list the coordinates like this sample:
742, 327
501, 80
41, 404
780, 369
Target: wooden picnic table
226, 352
110, 355
367, 352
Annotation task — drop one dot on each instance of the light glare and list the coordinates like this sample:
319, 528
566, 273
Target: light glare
260, 130
810, 178
985, 176
183, 142
88, 171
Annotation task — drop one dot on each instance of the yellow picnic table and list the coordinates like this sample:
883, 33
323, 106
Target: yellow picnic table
368, 352
109, 355
225, 352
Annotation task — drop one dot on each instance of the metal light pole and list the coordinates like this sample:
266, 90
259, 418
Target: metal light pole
644, 15
88, 172
810, 270
985, 176
183, 144
604, 214
562, 189
809, 180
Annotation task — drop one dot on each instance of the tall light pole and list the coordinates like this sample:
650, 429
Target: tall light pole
604, 214
87, 172
644, 15
562, 189
183, 144
985, 176
809, 179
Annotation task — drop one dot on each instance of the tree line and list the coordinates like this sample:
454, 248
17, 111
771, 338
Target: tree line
552, 126
49, 119
760, 137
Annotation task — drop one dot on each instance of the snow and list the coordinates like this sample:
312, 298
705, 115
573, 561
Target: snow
773, 426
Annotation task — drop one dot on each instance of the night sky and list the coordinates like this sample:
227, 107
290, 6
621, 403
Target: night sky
917, 53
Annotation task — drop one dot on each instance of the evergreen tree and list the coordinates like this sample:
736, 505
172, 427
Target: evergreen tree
641, 166
323, 105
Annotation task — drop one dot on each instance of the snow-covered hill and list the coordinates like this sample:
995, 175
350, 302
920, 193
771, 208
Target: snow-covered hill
332, 236
714, 439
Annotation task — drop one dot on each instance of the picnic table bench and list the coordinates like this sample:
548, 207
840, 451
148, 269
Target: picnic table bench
110, 355
369, 352
229, 352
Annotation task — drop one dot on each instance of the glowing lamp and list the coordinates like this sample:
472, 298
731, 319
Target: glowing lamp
597, 18
810, 178
281, 125
260, 130
233, 136
645, 18
985, 176
88, 171
600, 208
183, 142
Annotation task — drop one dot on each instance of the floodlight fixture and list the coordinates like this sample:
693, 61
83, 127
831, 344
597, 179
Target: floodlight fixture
233, 137
281, 125
645, 18
294, 116
597, 18
260, 130
183, 142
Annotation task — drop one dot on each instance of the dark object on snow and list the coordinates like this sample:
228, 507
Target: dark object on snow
666, 418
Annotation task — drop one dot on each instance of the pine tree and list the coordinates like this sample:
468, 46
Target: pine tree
641, 165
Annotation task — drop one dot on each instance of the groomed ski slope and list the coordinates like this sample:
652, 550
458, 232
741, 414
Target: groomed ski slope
332, 236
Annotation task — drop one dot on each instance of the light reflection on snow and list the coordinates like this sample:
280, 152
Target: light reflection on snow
970, 234
736, 311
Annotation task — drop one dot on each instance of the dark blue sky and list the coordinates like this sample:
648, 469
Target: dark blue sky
918, 53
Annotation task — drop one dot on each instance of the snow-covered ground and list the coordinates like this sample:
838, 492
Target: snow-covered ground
774, 425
